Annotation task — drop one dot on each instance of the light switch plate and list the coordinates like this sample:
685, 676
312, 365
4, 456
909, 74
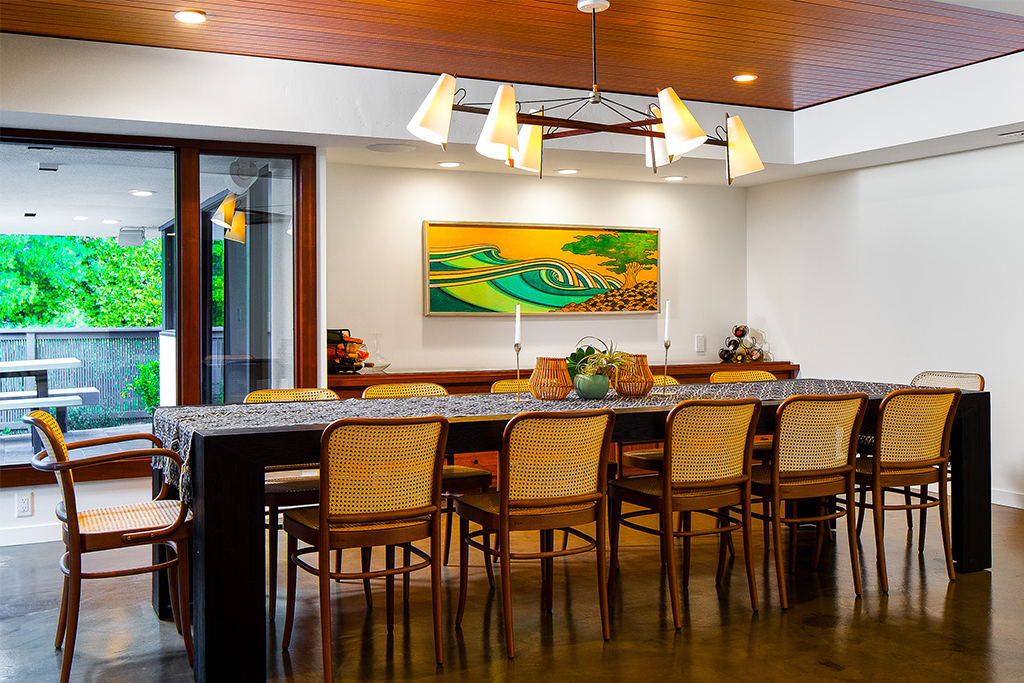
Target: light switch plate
700, 344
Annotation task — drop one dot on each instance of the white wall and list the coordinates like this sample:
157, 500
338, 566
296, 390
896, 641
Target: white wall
375, 274
884, 272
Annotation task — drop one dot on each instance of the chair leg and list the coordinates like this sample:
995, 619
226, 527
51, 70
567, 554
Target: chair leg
780, 572
366, 557
670, 560
851, 533
273, 519
324, 584
687, 521
878, 514
724, 540
337, 564
791, 513
748, 559
289, 591
74, 602
506, 591
464, 567
389, 583
62, 620
819, 539
907, 500
435, 583
406, 561
184, 597
944, 525
172, 588
602, 573
489, 561
448, 512
861, 507
924, 519
549, 564
767, 526
614, 510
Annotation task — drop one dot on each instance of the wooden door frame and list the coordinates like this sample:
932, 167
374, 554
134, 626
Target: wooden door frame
189, 323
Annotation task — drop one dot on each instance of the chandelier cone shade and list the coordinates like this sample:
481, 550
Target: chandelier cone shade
432, 119
225, 213
528, 156
655, 149
743, 158
237, 231
499, 138
682, 132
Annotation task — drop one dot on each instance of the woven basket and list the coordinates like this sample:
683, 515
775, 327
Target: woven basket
550, 379
636, 378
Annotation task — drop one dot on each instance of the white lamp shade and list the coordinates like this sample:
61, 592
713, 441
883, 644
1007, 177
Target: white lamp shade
682, 133
237, 231
225, 213
743, 158
531, 143
499, 139
660, 156
431, 121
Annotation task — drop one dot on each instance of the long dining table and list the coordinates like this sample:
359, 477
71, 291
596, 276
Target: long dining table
227, 448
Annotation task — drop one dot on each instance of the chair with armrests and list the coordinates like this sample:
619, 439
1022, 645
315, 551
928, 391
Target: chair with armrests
911, 449
552, 474
285, 492
455, 479
155, 522
814, 448
380, 485
707, 454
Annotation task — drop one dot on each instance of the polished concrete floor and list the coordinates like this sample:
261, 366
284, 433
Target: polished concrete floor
925, 629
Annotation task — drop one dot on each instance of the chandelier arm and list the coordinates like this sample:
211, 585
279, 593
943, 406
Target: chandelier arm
641, 112
616, 104
566, 100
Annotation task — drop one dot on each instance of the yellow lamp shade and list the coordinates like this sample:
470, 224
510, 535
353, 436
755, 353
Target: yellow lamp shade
655, 149
499, 138
432, 119
237, 231
531, 145
225, 212
743, 157
682, 133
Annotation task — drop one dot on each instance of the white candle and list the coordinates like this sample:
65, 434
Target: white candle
668, 315
517, 325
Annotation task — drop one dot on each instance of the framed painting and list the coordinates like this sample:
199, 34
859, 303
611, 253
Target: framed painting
488, 268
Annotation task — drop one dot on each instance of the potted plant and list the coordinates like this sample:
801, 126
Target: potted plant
591, 368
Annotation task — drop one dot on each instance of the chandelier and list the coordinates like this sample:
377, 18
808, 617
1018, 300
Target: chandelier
667, 128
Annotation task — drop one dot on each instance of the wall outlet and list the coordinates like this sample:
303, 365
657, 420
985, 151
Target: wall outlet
23, 504
700, 344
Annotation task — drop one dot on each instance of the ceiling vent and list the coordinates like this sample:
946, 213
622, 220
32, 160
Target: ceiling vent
131, 237
47, 166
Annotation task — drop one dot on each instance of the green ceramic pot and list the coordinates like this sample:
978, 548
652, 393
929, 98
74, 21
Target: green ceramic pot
591, 386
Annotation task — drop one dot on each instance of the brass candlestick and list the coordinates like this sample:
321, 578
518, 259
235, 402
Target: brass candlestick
518, 347
664, 386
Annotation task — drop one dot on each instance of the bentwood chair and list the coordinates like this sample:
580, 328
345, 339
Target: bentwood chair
814, 448
707, 457
455, 479
511, 386
726, 376
155, 522
643, 457
285, 492
380, 485
552, 474
911, 449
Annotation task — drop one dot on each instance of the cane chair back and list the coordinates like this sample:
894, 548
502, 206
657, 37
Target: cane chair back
52, 438
288, 395
817, 432
404, 390
511, 386
553, 456
726, 376
964, 381
665, 381
375, 467
708, 440
914, 425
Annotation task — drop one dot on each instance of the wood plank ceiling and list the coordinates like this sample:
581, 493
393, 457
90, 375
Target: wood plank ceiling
804, 52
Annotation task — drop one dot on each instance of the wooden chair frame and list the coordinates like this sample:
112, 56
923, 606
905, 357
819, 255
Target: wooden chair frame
175, 536
716, 503
786, 486
892, 480
326, 537
504, 523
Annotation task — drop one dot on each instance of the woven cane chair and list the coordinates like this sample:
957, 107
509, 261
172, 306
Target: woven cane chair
552, 474
511, 386
726, 376
940, 379
380, 485
455, 479
708, 457
911, 449
156, 522
285, 492
814, 449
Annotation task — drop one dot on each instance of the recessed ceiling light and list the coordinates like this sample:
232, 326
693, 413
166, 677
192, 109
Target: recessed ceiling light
391, 148
674, 178
744, 78
190, 16
568, 171
449, 164
81, 218
30, 214
141, 193
109, 221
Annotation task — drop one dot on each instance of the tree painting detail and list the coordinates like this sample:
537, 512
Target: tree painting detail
484, 268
